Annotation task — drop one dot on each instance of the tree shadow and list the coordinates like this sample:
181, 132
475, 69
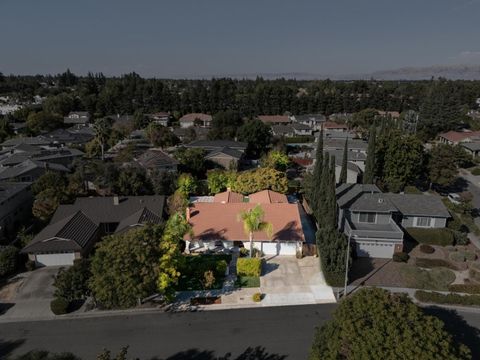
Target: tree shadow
4, 307
251, 353
461, 331
269, 267
7, 347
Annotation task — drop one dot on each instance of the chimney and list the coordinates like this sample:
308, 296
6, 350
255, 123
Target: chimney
187, 214
116, 201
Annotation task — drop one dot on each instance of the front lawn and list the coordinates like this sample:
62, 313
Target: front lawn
247, 281
195, 268
437, 278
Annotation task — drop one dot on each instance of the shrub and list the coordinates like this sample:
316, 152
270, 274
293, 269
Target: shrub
334, 279
427, 249
438, 278
465, 288
400, 257
221, 268
30, 265
8, 260
476, 171
244, 252
462, 256
72, 284
208, 279
257, 297
461, 238
474, 272
412, 190
432, 263
442, 237
451, 299
249, 266
59, 306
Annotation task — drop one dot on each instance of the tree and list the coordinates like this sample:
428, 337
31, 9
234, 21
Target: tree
50, 190
376, 324
253, 222
8, 260
163, 182
368, 176
343, 173
257, 135
277, 160
132, 181
43, 121
102, 128
192, 160
249, 182
364, 119
220, 180
72, 284
186, 184
107, 355
126, 266
177, 203
442, 166
225, 125
161, 136
332, 249
5, 129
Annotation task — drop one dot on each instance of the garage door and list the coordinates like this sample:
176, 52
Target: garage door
280, 248
55, 259
374, 249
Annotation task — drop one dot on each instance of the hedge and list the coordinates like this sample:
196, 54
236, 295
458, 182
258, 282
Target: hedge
450, 299
400, 257
8, 260
465, 288
432, 263
442, 236
249, 266
334, 279
299, 139
59, 306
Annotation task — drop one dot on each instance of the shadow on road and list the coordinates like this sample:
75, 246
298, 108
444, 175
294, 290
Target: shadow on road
461, 331
256, 353
7, 347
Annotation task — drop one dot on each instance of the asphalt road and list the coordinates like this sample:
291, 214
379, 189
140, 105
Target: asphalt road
270, 333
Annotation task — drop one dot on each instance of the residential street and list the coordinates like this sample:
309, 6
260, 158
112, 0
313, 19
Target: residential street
275, 333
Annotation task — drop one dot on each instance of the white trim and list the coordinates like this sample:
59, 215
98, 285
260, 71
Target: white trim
430, 225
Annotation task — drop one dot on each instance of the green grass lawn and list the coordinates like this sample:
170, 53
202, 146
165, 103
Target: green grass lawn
247, 281
434, 279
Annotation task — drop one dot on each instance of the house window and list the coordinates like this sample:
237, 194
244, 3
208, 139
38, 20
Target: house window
367, 217
424, 221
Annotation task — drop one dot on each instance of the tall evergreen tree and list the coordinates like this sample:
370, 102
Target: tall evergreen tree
343, 173
315, 193
370, 163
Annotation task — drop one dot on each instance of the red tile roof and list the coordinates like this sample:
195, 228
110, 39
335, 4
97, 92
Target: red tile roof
228, 197
269, 119
459, 136
267, 197
216, 221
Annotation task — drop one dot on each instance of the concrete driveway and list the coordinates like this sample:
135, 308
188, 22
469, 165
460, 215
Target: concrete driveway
287, 280
33, 296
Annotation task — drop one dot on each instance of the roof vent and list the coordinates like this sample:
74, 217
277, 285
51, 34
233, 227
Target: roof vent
381, 201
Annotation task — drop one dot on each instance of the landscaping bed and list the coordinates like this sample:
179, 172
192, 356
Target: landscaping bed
193, 272
450, 299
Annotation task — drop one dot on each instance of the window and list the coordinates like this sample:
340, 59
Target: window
367, 217
424, 221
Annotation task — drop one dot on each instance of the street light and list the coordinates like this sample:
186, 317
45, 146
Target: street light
346, 265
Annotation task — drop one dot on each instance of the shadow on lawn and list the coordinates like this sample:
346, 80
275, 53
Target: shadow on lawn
460, 330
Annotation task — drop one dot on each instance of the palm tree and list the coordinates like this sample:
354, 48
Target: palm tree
102, 130
253, 221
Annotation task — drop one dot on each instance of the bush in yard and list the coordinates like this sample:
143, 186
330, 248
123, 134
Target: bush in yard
376, 324
476, 171
474, 272
465, 288
221, 268
463, 256
59, 306
427, 249
208, 279
244, 252
8, 260
450, 299
432, 263
461, 238
249, 266
72, 284
400, 257
30, 265
442, 237
257, 297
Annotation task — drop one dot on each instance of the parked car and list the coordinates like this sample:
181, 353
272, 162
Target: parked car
454, 198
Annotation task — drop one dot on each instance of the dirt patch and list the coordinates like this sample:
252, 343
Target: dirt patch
9, 289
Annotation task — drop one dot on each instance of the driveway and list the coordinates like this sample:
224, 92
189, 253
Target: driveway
287, 280
33, 296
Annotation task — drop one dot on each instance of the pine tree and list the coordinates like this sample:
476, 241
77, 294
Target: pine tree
370, 163
343, 173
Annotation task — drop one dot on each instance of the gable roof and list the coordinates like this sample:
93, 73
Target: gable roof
267, 197
373, 202
9, 189
317, 118
194, 116
333, 125
272, 119
153, 158
142, 216
29, 165
228, 197
204, 218
459, 136
37, 140
282, 129
72, 233
217, 144
419, 205
225, 151
349, 192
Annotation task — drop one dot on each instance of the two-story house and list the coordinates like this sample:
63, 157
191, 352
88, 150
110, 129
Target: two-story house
77, 118
195, 119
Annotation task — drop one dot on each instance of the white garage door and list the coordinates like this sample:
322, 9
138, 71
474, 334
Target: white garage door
277, 248
375, 249
55, 259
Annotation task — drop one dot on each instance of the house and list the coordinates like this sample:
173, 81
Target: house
274, 119
473, 148
302, 129
157, 160
34, 141
69, 137
355, 145
189, 134
195, 119
354, 173
29, 170
389, 114
333, 126
160, 118
51, 155
268, 197
374, 221
15, 207
208, 232
340, 135
314, 121
357, 158
225, 157
74, 229
457, 137
282, 130
210, 145
78, 118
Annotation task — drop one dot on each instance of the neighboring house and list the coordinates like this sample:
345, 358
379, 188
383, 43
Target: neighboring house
267, 197
35, 141
29, 170
355, 145
208, 232
195, 119
78, 118
15, 206
226, 157
333, 126
210, 145
354, 173
343, 135
473, 148
274, 119
457, 137
314, 121
157, 159
187, 134
62, 156
282, 130
390, 114
69, 137
160, 118
374, 220
301, 130
74, 229
357, 158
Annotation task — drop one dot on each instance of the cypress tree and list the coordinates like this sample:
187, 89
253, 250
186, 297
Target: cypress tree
370, 163
316, 195
331, 195
322, 205
343, 173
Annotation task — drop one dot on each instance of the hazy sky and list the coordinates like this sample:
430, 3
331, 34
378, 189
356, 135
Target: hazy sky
214, 37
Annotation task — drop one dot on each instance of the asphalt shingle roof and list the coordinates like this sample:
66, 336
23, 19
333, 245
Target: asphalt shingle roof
418, 204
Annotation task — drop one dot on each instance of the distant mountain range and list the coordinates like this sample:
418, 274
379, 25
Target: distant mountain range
453, 72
